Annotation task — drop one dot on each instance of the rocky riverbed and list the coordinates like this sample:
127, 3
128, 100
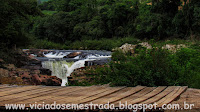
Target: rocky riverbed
28, 71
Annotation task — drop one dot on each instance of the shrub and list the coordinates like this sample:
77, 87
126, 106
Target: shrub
154, 67
101, 44
44, 44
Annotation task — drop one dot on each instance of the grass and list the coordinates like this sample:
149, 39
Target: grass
48, 12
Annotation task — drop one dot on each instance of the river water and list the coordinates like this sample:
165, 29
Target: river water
63, 67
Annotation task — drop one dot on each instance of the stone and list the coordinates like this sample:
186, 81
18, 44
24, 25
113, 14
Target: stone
36, 79
126, 48
146, 44
173, 48
25, 75
73, 55
4, 72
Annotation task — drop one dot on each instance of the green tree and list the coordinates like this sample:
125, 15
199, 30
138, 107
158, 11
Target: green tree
14, 17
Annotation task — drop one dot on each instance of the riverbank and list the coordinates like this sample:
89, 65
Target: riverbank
22, 69
158, 64
150, 58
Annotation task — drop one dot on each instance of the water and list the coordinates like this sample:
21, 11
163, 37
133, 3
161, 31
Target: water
62, 68
58, 69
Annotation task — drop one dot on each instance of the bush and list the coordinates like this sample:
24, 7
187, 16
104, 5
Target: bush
44, 44
101, 44
154, 67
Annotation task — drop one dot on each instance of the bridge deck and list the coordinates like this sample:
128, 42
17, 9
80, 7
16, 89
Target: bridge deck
95, 94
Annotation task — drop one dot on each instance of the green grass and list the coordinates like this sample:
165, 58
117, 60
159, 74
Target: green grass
48, 12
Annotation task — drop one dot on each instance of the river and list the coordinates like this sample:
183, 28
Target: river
61, 65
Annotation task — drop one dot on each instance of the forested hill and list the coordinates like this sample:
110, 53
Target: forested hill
27, 24
95, 19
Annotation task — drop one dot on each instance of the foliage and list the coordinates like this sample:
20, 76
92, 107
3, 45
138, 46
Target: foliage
13, 21
73, 21
48, 12
95, 20
54, 29
101, 44
44, 44
120, 18
187, 21
154, 67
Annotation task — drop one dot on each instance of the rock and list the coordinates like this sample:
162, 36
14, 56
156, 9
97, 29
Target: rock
173, 48
50, 80
36, 79
83, 55
146, 44
35, 71
10, 66
4, 72
181, 46
38, 52
72, 55
126, 48
25, 75
26, 71
32, 67
45, 71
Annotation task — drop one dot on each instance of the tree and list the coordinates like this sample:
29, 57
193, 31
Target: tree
14, 17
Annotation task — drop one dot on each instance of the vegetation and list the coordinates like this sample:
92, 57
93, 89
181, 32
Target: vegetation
68, 22
106, 24
154, 67
86, 19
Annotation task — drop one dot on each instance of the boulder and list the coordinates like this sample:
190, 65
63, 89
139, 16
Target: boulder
146, 45
50, 80
4, 72
38, 52
73, 55
126, 48
36, 79
83, 55
25, 75
173, 48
